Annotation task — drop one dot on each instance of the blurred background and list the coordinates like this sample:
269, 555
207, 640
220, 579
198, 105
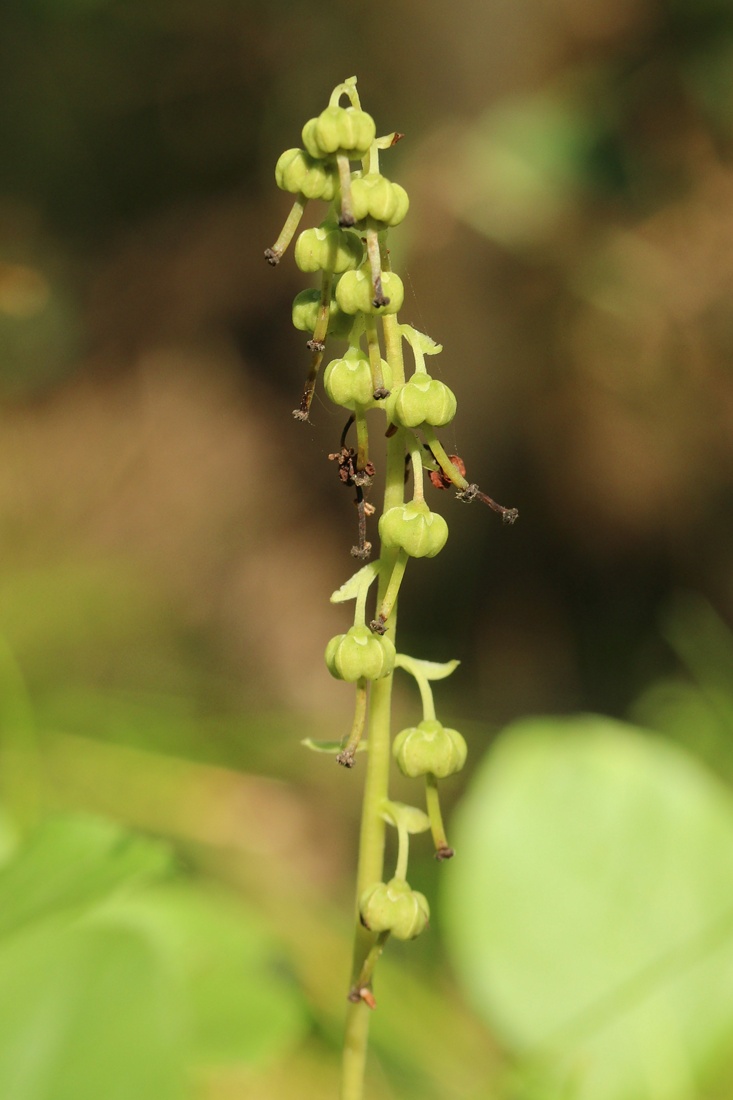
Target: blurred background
170, 536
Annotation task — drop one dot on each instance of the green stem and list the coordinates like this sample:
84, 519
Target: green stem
390, 596
437, 828
364, 982
317, 345
419, 356
375, 266
417, 470
403, 852
360, 605
274, 254
347, 88
362, 438
393, 338
376, 787
375, 356
346, 217
347, 755
451, 471
426, 697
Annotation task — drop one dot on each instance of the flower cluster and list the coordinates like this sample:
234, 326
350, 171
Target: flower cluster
357, 301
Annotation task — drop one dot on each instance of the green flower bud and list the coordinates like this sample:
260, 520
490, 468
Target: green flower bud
412, 527
344, 130
348, 381
422, 400
376, 198
429, 748
328, 249
296, 171
305, 312
360, 653
393, 907
355, 292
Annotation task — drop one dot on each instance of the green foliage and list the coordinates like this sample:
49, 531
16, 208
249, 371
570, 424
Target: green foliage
695, 708
591, 911
118, 978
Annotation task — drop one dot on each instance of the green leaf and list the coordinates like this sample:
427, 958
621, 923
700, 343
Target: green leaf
73, 861
329, 746
420, 340
354, 586
430, 670
408, 817
243, 1005
591, 912
88, 1013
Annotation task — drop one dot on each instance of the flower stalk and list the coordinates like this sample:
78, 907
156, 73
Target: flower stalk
358, 300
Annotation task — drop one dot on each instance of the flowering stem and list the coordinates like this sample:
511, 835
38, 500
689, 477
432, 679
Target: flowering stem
376, 786
339, 136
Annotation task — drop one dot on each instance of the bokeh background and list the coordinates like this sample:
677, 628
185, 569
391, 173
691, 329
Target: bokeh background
170, 536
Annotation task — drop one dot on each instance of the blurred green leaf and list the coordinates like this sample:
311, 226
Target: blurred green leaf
701, 640
87, 1013
697, 714
591, 911
702, 721
72, 862
242, 1003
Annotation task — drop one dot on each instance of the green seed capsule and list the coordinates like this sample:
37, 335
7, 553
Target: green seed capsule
355, 292
412, 527
359, 653
305, 312
296, 171
328, 249
346, 130
348, 381
377, 200
429, 748
393, 907
422, 400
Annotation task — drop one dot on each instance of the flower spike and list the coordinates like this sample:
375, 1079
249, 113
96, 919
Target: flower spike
358, 300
